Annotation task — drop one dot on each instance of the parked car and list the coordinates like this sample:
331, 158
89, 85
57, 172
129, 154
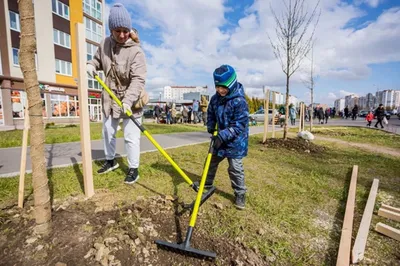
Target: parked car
363, 113
260, 115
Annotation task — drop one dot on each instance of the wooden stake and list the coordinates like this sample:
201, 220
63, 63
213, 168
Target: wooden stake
362, 235
300, 114
390, 208
388, 231
345, 239
303, 117
273, 111
389, 214
24, 149
84, 112
266, 112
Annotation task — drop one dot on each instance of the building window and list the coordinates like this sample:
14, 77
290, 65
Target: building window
64, 105
62, 38
18, 103
94, 31
15, 52
92, 8
63, 67
94, 84
91, 50
60, 9
14, 21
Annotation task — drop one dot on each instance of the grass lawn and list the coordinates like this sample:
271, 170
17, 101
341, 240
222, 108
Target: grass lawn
70, 133
295, 202
360, 135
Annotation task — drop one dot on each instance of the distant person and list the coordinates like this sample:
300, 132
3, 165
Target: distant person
228, 110
380, 114
185, 112
157, 113
204, 106
195, 110
320, 115
369, 118
292, 114
346, 112
173, 114
327, 114
354, 112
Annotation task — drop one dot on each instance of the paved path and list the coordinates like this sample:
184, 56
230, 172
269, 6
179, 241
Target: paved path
65, 154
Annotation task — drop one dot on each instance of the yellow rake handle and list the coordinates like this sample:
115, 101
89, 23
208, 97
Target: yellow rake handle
147, 134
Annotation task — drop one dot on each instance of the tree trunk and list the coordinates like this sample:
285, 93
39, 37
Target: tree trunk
285, 130
312, 106
41, 192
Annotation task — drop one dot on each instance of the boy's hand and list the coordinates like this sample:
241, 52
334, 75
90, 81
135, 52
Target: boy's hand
211, 130
217, 142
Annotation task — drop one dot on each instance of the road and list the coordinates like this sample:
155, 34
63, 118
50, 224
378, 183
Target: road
65, 154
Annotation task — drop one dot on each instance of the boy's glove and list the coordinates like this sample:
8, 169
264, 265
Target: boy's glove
211, 130
91, 70
126, 107
217, 142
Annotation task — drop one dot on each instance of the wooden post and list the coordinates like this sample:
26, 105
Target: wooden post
395, 216
362, 235
345, 239
390, 208
273, 112
22, 168
303, 117
266, 119
388, 231
300, 114
83, 111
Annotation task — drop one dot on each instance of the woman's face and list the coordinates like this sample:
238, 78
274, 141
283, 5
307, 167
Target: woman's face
121, 35
223, 91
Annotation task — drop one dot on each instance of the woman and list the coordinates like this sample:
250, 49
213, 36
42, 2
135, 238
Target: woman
123, 62
292, 114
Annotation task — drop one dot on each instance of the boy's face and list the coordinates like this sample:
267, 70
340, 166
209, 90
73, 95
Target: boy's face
223, 91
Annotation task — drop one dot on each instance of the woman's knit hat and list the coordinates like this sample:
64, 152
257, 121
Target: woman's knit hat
119, 18
225, 76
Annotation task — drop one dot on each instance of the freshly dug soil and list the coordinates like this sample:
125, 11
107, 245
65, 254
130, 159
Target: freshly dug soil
294, 144
85, 235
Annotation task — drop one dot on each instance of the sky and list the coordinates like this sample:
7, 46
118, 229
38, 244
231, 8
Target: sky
356, 46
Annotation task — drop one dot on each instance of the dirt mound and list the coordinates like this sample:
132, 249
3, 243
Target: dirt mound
294, 144
84, 235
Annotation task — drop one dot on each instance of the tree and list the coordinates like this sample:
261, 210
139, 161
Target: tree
40, 185
309, 83
292, 43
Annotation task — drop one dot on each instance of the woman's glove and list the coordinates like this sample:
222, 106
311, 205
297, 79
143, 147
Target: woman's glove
126, 107
91, 70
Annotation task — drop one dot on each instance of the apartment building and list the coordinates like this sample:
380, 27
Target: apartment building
56, 59
389, 98
339, 105
176, 92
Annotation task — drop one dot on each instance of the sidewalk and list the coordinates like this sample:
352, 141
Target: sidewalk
66, 154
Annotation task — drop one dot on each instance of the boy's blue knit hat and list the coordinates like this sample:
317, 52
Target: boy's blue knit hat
119, 18
225, 76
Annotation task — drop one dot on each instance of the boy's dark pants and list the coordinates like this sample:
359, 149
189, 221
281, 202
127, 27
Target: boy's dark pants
235, 171
369, 123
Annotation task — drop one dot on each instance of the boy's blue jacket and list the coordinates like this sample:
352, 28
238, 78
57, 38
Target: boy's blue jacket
231, 114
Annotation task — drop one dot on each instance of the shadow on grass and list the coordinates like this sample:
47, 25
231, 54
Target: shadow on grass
79, 174
334, 237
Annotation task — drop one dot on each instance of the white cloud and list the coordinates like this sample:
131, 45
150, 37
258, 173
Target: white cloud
371, 3
196, 37
332, 96
344, 93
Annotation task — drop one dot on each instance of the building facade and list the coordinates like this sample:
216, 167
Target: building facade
176, 92
56, 59
388, 98
339, 105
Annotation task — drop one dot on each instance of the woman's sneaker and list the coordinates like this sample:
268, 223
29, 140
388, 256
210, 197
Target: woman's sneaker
109, 165
240, 201
132, 176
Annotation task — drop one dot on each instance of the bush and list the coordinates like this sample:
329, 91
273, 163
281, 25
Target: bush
49, 125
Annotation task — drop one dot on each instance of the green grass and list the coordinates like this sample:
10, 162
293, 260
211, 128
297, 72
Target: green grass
360, 135
71, 133
297, 199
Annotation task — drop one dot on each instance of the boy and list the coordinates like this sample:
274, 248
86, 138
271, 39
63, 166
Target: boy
228, 110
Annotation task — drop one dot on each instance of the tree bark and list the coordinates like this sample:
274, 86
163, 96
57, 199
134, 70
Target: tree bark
41, 191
